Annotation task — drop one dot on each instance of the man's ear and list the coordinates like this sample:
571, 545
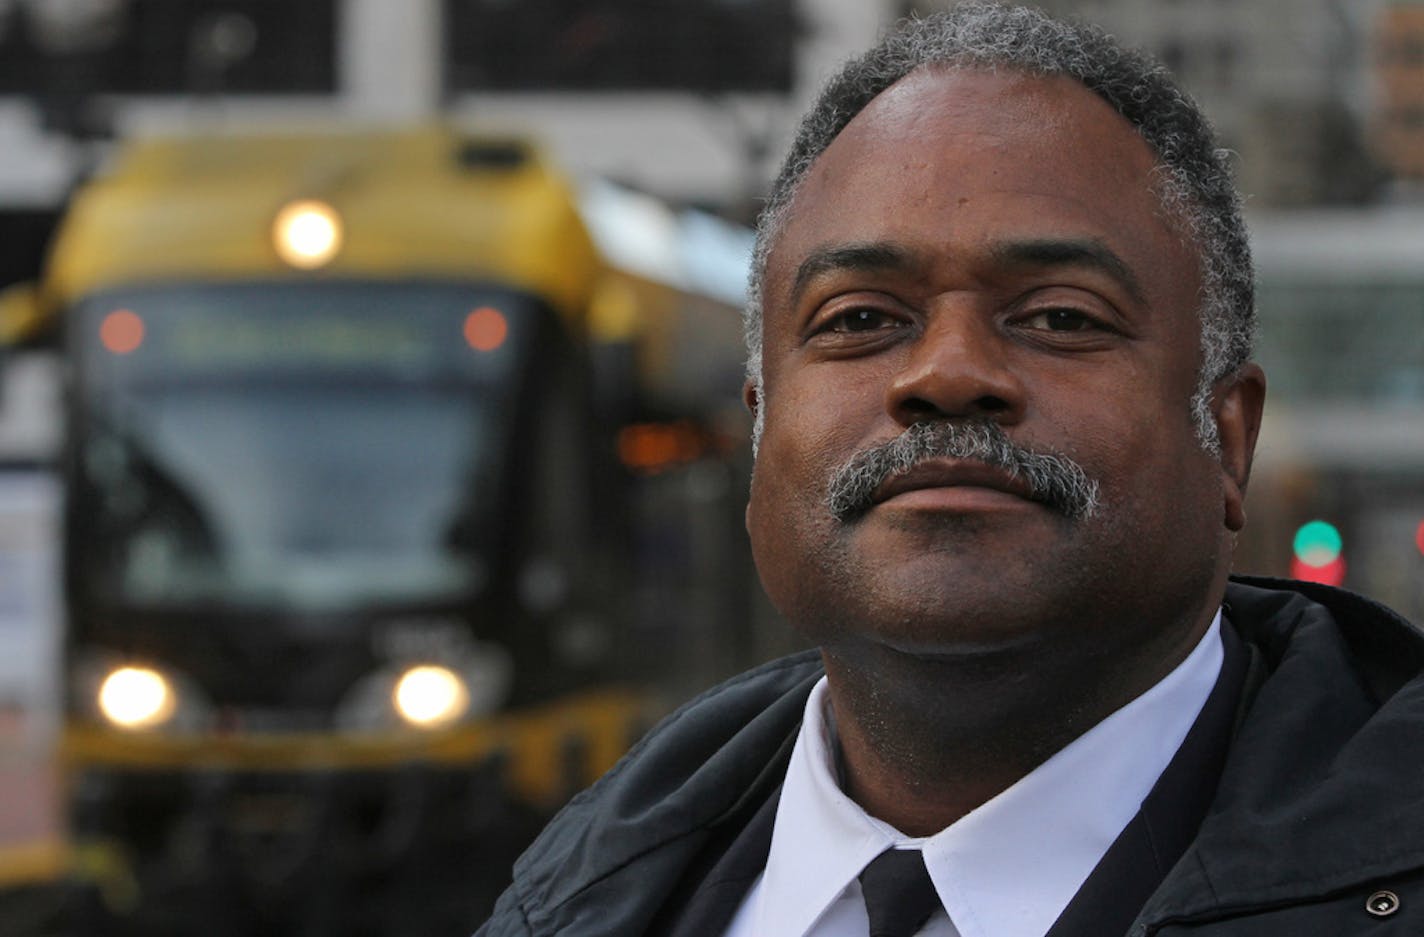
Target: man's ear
1237, 402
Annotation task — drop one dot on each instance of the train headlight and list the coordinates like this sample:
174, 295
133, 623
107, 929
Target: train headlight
429, 692
429, 696
136, 698
307, 234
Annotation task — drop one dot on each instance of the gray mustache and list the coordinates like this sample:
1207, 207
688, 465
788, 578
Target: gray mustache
1053, 479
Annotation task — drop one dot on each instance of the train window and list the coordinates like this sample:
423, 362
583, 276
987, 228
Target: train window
317, 445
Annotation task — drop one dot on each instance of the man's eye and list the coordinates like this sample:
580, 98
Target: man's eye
1060, 320
860, 320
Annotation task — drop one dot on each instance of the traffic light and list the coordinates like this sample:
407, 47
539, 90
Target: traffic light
1318, 554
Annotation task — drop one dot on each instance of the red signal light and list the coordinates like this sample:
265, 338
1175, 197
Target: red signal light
1330, 574
486, 329
121, 331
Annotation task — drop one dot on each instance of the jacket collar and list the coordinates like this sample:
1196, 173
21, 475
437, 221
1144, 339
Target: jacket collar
1320, 791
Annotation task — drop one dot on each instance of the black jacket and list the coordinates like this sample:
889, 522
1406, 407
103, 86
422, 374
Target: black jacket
1317, 826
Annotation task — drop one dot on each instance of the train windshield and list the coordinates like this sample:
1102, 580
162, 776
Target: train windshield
314, 447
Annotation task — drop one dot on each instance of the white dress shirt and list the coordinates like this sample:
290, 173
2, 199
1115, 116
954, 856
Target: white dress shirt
1007, 868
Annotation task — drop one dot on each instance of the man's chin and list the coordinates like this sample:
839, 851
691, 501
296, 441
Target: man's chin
937, 625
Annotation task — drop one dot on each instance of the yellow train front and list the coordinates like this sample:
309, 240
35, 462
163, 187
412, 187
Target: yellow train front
344, 544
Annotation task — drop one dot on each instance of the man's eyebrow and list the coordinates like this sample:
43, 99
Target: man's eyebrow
860, 257
1071, 252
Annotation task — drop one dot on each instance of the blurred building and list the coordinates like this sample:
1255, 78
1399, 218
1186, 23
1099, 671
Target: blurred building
1323, 100
691, 105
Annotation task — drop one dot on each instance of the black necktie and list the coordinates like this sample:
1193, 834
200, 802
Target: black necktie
899, 896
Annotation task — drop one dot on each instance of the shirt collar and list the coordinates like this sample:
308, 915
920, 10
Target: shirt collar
1010, 867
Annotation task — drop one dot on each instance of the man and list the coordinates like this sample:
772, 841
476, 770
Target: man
1005, 417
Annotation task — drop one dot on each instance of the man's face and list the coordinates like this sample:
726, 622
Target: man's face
985, 248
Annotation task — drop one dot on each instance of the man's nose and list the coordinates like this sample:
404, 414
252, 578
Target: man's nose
957, 368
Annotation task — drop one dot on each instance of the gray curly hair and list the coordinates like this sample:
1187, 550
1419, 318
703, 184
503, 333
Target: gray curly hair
1194, 180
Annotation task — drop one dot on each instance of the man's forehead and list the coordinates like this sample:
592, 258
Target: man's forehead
947, 134
952, 86
955, 105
